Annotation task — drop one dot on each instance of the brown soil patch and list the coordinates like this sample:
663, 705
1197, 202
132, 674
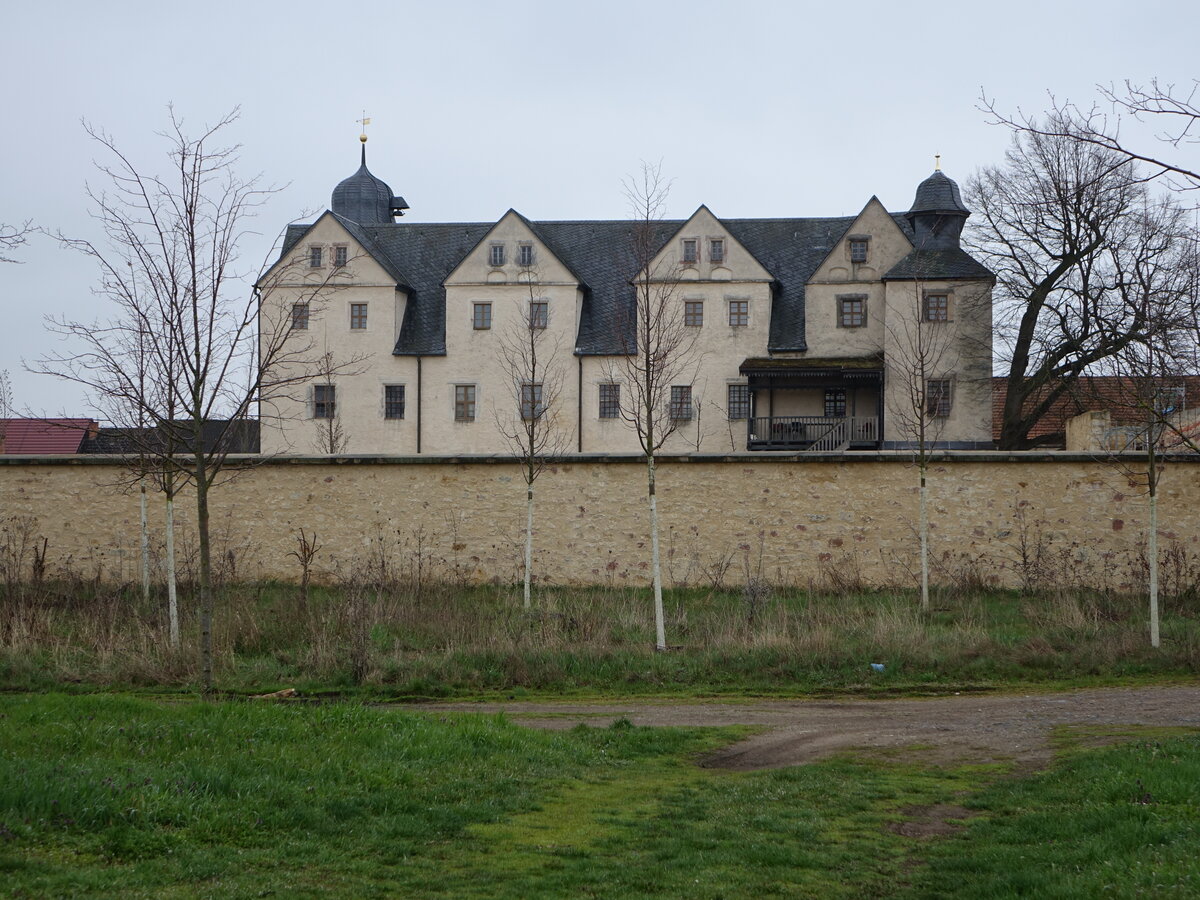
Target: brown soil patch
945, 730
938, 820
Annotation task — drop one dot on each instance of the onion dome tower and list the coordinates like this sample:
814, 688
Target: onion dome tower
938, 214
365, 199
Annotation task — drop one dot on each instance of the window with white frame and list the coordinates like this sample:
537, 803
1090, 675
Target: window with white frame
299, 317
531, 401
858, 249
481, 316
314, 257
681, 402
739, 313
690, 252
739, 401
339, 256
939, 397
496, 254
539, 313
464, 403
716, 250
610, 401
525, 255
693, 313
324, 401
358, 316
393, 401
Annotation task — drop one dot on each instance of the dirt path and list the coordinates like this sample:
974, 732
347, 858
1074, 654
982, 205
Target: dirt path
945, 729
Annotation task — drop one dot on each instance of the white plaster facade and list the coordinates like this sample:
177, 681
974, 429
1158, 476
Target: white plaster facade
803, 271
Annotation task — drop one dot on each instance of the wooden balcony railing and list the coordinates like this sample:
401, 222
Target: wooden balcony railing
817, 433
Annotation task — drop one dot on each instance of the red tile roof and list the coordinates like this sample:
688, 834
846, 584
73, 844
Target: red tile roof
44, 436
1115, 393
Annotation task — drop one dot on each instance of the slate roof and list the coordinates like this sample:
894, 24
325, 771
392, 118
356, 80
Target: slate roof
946, 263
421, 257
240, 436
938, 193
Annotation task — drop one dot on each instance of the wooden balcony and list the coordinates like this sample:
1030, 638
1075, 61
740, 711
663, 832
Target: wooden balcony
817, 433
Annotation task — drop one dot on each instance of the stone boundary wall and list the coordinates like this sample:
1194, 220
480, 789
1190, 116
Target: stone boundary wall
995, 517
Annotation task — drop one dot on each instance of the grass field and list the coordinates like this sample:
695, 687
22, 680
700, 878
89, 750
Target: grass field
441, 640
110, 796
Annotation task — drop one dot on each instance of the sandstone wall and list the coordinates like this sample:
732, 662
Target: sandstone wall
809, 518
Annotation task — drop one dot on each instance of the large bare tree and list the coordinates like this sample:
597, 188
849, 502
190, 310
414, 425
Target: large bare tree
1063, 224
531, 419
12, 237
660, 364
189, 348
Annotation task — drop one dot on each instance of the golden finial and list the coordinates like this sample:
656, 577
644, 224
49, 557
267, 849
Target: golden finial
364, 122
937, 158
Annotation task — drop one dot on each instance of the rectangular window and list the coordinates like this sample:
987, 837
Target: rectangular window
739, 401
858, 250
716, 250
339, 256
496, 255
393, 401
525, 255
464, 403
739, 313
299, 317
539, 313
324, 401
358, 316
693, 313
852, 311
689, 250
938, 397
681, 402
314, 257
835, 403
610, 401
937, 308
531, 402
481, 316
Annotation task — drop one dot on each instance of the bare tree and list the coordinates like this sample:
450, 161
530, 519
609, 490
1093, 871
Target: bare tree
169, 268
1172, 109
1062, 224
660, 364
330, 435
922, 365
12, 237
6, 404
530, 421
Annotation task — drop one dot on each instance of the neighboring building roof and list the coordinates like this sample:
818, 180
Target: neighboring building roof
236, 437
44, 436
1093, 392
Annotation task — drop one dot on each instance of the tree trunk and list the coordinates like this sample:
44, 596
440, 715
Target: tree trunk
924, 526
660, 628
528, 544
172, 599
1152, 551
145, 549
206, 597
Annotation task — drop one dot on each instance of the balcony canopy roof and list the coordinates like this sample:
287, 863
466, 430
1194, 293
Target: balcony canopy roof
813, 372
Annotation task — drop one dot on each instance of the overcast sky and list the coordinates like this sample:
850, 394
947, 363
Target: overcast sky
755, 108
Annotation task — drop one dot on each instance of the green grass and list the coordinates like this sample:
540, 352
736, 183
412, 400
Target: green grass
443, 641
110, 796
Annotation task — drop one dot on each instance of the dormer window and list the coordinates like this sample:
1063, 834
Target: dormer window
525, 255
496, 255
314, 257
690, 252
716, 250
858, 249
